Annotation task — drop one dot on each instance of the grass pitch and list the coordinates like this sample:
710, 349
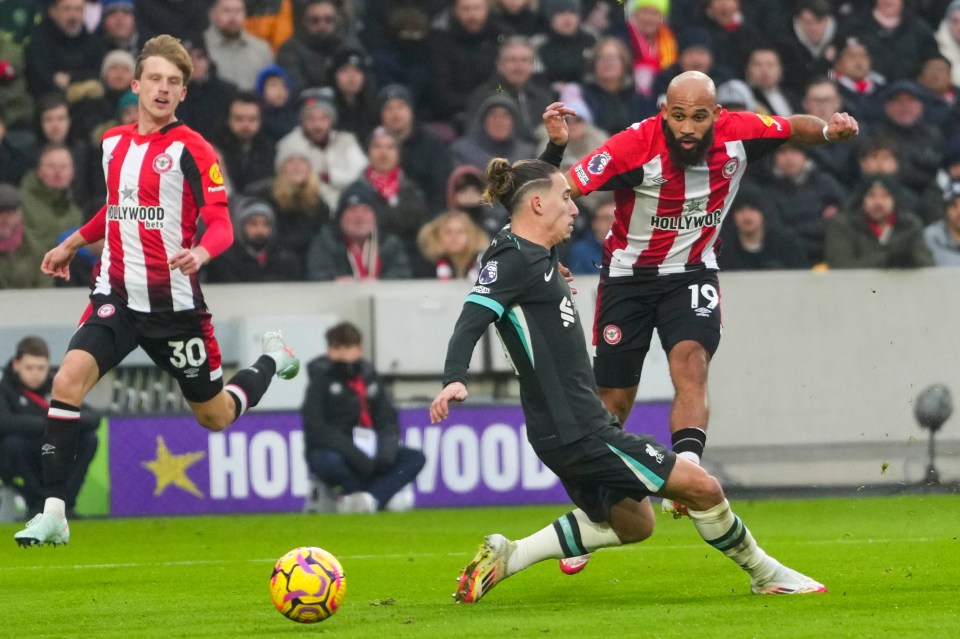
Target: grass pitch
892, 566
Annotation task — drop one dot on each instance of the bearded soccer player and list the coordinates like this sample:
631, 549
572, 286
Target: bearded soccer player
161, 176
674, 177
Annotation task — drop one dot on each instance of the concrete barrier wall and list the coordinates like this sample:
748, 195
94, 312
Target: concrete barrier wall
813, 382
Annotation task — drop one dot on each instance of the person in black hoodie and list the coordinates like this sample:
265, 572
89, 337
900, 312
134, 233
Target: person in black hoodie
24, 401
464, 56
255, 255
350, 428
205, 110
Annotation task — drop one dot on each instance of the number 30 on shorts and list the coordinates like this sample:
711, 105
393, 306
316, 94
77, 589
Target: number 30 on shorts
191, 352
707, 291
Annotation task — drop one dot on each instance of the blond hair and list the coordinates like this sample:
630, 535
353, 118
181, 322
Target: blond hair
170, 49
430, 240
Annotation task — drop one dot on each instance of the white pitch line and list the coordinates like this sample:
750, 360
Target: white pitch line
629, 547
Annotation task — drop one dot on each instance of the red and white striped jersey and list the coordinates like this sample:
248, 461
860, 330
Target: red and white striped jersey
156, 186
668, 217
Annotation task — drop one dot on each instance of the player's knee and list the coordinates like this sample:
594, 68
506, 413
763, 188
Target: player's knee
214, 421
705, 492
634, 531
68, 386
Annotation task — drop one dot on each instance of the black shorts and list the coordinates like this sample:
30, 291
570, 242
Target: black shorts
181, 343
685, 306
608, 466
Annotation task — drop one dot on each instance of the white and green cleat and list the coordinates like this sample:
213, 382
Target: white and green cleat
288, 364
44, 529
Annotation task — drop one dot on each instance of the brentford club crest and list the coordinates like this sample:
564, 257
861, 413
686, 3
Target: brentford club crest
730, 168
106, 310
162, 163
612, 334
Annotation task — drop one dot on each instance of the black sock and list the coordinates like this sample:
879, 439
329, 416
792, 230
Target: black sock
249, 384
690, 440
59, 447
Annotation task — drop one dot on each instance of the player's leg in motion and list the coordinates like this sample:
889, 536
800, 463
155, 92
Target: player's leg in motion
78, 373
247, 387
689, 362
722, 529
572, 535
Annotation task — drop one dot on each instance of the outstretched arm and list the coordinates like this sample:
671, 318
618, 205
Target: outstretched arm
472, 324
556, 124
809, 129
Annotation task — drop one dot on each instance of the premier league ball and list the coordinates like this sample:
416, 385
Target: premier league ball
307, 585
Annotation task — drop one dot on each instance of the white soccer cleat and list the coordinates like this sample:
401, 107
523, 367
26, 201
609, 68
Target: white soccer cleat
674, 508
357, 503
44, 529
573, 565
786, 581
288, 365
486, 570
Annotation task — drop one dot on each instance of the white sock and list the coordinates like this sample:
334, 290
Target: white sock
55, 507
723, 530
692, 456
571, 535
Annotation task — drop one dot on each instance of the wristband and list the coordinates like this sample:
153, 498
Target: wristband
553, 154
825, 136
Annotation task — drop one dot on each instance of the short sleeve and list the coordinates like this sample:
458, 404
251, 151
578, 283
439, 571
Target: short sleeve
616, 164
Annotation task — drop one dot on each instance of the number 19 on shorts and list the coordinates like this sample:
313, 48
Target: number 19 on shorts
708, 292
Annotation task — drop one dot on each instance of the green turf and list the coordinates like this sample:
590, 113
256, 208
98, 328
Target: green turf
892, 566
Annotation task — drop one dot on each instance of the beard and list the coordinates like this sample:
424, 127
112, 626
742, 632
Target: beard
681, 156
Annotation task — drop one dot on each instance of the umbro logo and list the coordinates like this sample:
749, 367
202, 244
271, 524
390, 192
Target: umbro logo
566, 312
659, 180
48, 449
704, 311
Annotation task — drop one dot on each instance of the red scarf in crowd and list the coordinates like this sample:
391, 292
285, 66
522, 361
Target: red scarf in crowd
386, 184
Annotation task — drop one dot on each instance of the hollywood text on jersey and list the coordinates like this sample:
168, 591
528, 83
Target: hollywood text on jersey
150, 216
686, 222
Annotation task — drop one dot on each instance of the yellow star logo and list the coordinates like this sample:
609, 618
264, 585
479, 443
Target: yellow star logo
172, 469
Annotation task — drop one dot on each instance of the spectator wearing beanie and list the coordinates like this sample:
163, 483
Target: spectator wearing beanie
255, 255
353, 248
490, 134
355, 89
118, 26
336, 155
423, 155
278, 99
652, 42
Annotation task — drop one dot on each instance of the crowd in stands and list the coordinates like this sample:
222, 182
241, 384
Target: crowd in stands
353, 134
